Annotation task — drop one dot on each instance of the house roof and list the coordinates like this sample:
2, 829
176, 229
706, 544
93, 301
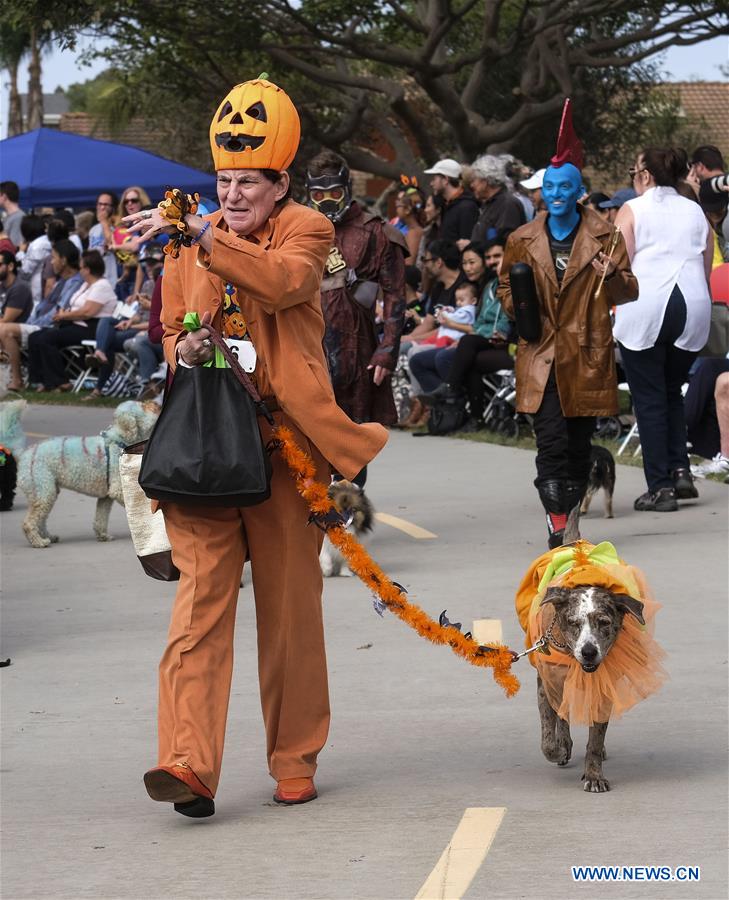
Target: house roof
53, 104
707, 104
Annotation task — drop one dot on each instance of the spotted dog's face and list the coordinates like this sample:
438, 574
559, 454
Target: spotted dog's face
589, 619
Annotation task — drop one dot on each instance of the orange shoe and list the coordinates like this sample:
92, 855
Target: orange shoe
180, 785
295, 790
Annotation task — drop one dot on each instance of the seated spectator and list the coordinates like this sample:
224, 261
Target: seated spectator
706, 406
92, 301
129, 332
127, 246
430, 366
14, 335
16, 301
34, 251
9, 197
101, 234
413, 299
56, 230
486, 349
455, 321
501, 211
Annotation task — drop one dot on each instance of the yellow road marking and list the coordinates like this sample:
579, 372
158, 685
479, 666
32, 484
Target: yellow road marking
487, 631
414, 531
37, 434
463, 856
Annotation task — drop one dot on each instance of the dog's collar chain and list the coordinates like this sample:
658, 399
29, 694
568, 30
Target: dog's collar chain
551, 639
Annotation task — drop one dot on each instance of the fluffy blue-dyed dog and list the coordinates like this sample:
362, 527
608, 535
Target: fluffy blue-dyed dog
12, 443
89, 465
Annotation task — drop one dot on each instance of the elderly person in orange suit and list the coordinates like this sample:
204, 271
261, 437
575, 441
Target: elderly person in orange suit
254, 270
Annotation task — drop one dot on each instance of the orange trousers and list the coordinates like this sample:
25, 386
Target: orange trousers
209, 547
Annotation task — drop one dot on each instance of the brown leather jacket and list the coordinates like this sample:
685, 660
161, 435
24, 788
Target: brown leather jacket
576, 329
278, 274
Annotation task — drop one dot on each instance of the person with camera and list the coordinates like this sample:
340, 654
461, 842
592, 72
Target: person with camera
252, 270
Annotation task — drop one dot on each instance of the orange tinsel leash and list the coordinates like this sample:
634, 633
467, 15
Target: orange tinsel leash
498, 658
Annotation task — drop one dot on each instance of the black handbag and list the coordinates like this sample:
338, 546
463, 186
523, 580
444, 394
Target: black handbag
206, 448
526, 303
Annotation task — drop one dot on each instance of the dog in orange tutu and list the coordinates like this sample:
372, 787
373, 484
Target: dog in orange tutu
592, 613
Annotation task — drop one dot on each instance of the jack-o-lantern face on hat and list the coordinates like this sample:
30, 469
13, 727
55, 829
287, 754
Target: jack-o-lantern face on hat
256, 127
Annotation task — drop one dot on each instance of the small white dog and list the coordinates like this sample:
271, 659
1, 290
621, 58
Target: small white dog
350, 501
89, 465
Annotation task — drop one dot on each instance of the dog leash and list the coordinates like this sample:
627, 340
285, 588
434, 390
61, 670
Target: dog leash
324, 515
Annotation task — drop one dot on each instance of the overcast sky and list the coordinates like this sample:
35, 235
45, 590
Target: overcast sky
699, 62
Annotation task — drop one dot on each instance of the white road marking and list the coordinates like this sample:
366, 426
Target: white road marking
464, 855
415, 531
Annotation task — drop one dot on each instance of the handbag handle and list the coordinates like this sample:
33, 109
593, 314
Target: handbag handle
239, 372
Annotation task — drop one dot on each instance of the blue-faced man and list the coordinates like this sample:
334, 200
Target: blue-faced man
567, 377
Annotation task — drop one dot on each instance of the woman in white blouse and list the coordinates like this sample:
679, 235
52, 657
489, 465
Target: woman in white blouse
670, 247
93, 300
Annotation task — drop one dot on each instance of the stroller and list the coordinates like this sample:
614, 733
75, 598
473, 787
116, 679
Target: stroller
500, 415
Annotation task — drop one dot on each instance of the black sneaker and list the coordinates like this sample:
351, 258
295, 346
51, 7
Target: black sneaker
662, 500
683, 481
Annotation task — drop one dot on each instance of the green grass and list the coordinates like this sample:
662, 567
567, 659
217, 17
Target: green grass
60, 398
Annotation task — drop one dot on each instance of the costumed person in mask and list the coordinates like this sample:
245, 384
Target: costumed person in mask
254, 270
366, 261
565, 375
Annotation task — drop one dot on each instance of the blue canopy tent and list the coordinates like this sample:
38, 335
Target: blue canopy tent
57, 168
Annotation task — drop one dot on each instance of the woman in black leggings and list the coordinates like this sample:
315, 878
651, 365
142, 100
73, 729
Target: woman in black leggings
486, 349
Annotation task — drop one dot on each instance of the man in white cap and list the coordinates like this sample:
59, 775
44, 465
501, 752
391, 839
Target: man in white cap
533, 187
461, 210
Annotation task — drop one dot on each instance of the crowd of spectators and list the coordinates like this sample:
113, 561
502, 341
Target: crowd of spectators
68, 278
64, 278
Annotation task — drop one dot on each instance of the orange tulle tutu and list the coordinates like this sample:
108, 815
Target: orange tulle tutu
630, 672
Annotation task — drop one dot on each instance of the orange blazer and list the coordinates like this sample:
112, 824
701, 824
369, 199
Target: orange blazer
277, 271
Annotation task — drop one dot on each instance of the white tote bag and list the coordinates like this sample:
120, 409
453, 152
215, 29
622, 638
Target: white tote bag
149, 535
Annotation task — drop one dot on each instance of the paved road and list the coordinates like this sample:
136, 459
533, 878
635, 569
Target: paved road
417, 735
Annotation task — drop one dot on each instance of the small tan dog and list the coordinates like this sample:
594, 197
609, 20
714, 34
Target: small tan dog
352, 503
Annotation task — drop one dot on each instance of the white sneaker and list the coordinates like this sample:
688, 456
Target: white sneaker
719, 465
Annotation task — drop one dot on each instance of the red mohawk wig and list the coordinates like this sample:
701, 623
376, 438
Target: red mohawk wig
569, 146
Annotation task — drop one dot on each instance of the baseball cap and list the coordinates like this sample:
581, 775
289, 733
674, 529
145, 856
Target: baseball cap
618, 198
448, 167
536, 180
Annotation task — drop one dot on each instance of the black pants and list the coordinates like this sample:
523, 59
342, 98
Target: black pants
46, 366
563, 444
655, 377
476, 356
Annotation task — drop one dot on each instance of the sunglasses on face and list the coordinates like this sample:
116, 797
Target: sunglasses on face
132, 200
105, 204
633, 171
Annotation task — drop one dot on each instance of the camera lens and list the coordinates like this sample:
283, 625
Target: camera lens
719, 182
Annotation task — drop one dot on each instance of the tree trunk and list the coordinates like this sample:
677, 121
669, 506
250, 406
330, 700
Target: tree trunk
35, 88
15, 111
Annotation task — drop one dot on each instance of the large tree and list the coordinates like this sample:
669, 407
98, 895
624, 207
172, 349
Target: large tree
394, 83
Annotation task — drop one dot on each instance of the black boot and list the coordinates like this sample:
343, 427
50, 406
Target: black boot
574, 493
553, 496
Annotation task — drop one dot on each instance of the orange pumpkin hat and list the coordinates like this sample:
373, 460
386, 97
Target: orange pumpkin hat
255, 127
